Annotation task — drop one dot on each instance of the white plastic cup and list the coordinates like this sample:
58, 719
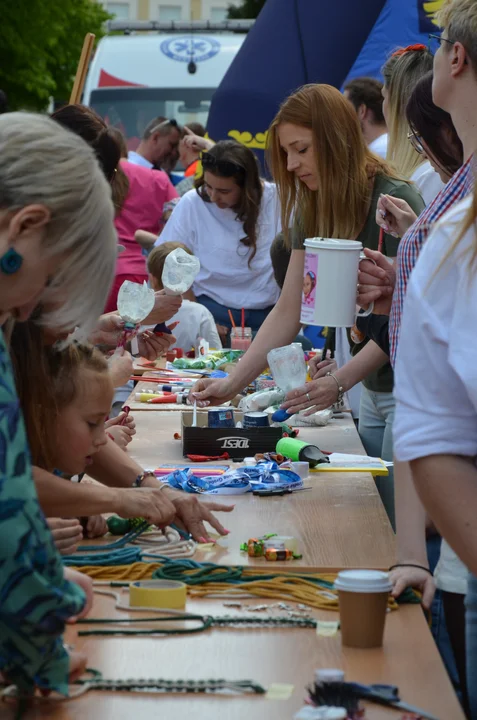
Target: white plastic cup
330, 282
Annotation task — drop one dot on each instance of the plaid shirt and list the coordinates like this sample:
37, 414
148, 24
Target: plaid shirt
458, 187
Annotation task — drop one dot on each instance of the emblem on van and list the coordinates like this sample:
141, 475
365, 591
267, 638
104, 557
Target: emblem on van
234, 442
186, 48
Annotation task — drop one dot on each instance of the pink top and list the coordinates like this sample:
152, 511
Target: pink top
142, 210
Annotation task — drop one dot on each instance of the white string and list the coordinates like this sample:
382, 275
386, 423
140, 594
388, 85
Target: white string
167, 543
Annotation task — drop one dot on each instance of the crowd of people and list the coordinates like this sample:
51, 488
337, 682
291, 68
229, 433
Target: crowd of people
390, 165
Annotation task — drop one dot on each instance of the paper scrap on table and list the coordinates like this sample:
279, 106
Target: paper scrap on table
327, 628
347, 462
279, 691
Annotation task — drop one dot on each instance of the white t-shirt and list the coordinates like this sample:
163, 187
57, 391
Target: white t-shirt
194, 320
380, 145
436, 369
214, 236
427, 181
435, 380
136, 159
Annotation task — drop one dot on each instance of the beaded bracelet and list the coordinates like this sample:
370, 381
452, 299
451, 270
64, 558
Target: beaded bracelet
419, 567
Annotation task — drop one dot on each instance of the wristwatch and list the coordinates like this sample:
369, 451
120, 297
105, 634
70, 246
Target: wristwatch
140, 478
341, 390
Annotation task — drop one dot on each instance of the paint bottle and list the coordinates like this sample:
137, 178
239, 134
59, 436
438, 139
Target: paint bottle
300, 451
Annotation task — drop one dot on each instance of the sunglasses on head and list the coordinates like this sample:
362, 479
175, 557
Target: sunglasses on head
173, 123
223, 167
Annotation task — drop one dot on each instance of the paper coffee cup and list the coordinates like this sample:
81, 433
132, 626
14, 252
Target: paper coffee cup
330, 282
363, 600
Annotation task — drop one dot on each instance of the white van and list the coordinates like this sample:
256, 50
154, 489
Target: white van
136, 77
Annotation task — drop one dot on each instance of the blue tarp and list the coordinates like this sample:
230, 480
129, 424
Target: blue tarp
401, 23
299, 41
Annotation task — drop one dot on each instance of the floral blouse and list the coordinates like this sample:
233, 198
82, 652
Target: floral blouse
35, 599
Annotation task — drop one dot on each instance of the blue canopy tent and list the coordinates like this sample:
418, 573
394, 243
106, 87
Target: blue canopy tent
294, 42
401, 23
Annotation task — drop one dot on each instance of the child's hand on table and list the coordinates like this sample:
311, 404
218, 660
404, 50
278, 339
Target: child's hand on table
96, 526
67, 534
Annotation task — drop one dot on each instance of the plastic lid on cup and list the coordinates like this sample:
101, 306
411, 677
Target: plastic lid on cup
329, 675
363, 581
332, 244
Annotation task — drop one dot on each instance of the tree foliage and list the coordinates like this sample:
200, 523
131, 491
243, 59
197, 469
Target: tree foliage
40, 45
247, 9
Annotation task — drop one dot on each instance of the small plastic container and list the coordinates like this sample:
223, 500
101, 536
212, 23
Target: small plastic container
240, 338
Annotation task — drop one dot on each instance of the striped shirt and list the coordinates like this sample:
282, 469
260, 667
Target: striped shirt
458, 187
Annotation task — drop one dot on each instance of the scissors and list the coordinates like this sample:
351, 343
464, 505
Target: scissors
388, 695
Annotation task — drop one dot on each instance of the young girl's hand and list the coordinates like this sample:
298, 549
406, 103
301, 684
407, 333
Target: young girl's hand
121, 419
67, 534
120, 366
122, 435
96, 527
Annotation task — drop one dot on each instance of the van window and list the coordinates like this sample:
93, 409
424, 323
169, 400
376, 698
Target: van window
131, 109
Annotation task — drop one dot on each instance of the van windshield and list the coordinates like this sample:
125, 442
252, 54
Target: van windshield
131, 109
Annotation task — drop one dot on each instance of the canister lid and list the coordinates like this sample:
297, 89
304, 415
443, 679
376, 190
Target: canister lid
332, 244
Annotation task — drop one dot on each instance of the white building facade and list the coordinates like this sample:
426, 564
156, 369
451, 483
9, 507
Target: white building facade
168, 10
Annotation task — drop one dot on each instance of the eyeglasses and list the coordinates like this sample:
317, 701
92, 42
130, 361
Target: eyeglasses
440, 39
223, 167
416, 142
173, 123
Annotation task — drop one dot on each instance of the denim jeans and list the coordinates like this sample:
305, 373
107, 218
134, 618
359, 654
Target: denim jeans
376, 415
438, 627
471, 644
253, 318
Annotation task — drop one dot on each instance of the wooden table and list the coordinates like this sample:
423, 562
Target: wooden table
340, 523
408, 659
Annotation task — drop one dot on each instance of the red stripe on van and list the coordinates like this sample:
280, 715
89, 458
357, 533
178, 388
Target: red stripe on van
107, 80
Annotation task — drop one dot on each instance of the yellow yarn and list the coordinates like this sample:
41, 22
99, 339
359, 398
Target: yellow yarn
126, 573
283, 587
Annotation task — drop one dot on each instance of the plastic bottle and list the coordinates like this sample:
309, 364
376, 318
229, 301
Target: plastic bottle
300, 451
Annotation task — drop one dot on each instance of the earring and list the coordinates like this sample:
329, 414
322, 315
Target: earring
10, 262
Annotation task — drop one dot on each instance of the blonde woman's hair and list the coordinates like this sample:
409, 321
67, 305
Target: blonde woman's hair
345, 166
401, 73
43, 163
459, 19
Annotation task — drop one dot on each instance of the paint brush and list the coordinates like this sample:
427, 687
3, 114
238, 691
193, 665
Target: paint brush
232, 320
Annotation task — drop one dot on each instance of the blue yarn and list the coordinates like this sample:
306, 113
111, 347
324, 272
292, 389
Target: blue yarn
123, 556
121, 542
